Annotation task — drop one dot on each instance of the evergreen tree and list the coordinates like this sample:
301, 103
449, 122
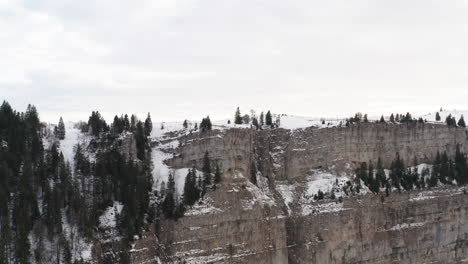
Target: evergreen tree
461, 167
255, 123
268, 119
133, 121
362, 173
397, 172
185, 124
126, 123
392, 118
205, 124
60, 130
461, 122
450, 121
382, 120
237, 117
141, 140
217, 176
261, 119
380, 174
437, 117
169, 205
148, 125
191, 193
97, 124
253, 173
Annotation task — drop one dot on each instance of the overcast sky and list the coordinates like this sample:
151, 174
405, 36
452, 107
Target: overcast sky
188, 58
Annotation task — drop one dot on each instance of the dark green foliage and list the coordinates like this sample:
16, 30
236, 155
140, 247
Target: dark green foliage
97, 124
205, 124
255, 123
451, 121
141, 140
319, 196
169, 203
217, 176
268, 119
237, 117
461, 122
380, 176
397, 172
28, 173
148, 125
191, 192
59, 130
253, 173
461, 167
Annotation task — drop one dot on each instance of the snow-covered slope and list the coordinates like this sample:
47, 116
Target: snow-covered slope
431, 117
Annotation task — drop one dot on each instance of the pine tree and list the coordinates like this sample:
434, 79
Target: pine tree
461, 122
141, 140
255, 123
397, 172
380, 173
392, 118
237, 117
191, 193
261, 119
253, 173
185, 124
461, 167
217, 176
60, 130
382, 120
437, 117
148, 125
205, 124
169, 205
365, 120
133, 121
268, 119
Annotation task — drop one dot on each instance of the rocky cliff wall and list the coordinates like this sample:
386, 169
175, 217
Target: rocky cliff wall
415, 227
284, 154
236, 223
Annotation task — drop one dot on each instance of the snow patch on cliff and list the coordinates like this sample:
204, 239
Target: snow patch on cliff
108, 218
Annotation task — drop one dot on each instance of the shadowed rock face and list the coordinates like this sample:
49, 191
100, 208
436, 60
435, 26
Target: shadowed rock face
409, 227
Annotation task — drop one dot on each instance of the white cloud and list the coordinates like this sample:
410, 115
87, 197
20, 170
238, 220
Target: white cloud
196, 57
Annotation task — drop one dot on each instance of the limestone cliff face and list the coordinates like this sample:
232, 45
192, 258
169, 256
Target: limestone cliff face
240, 223
366, 142
285, 154
416, 227
236, 223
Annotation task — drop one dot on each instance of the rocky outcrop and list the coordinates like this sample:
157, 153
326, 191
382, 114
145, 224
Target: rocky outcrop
236, 223
415, 227
284, 154
241, 223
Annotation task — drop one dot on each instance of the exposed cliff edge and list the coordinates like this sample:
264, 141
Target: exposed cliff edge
232, 226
